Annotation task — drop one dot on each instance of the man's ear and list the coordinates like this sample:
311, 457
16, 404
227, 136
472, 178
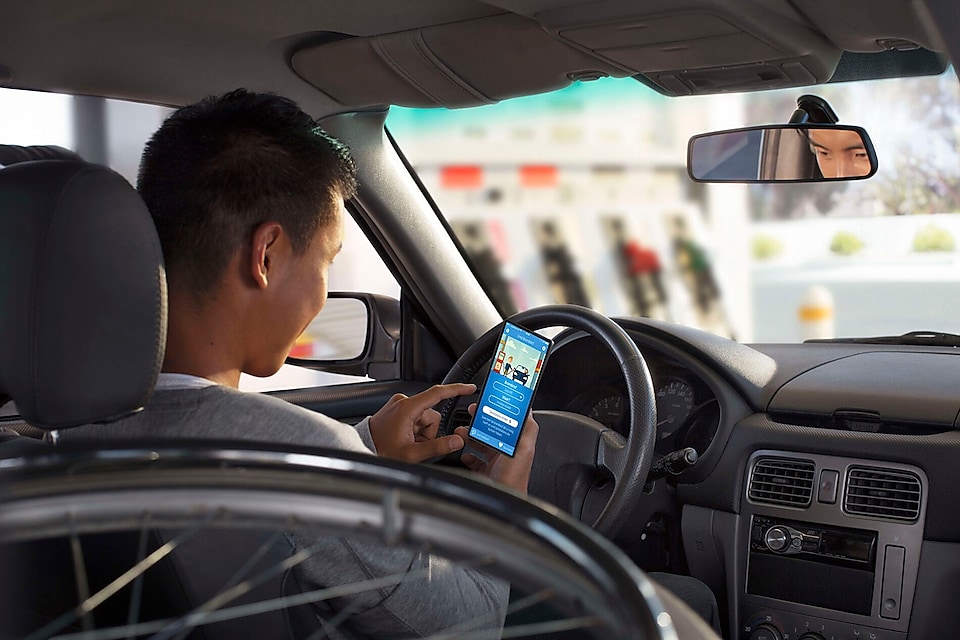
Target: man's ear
263, 250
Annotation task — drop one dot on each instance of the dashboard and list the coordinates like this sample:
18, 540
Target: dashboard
830, 415
814, 442
688, 410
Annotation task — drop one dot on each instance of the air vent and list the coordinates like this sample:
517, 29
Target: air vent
782, 481
882, 493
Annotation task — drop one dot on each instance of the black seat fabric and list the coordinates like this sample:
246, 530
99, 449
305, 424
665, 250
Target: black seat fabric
82, 294
14, 154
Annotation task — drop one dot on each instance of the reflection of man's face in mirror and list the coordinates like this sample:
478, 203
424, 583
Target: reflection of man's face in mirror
840, 153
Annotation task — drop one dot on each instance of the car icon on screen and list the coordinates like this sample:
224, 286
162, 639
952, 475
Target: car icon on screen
521, 374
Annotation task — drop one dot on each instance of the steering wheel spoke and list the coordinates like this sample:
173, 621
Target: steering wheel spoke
611, 453
565, 467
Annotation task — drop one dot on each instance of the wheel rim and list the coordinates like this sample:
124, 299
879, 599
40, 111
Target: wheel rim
392, 502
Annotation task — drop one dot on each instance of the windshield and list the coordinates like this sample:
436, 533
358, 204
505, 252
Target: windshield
582, 196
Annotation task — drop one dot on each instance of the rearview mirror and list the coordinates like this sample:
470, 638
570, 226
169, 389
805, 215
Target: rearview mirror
782, 153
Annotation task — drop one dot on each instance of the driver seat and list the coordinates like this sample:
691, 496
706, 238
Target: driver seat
83, 320
82, 294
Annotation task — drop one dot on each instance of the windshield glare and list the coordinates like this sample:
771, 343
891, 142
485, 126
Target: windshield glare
582, 196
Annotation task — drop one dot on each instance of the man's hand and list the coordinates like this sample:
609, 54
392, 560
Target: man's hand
406, 427
513, 472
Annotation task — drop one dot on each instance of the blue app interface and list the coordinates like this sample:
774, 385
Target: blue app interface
509, 388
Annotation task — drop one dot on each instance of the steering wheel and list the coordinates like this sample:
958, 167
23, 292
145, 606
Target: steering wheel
586, 469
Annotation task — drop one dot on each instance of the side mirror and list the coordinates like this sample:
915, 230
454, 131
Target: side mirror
782, 153
355, 334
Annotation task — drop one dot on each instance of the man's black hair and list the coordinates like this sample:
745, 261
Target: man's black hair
809, 167
217, 169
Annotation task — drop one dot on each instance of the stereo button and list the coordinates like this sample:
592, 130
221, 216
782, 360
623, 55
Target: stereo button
892, 586
777, 538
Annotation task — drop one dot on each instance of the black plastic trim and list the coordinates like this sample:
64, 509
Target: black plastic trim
937, 455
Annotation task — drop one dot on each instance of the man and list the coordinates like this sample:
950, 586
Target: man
840, 153
508, 366
247, 194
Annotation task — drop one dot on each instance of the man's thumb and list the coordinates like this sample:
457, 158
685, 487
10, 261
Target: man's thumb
438, 447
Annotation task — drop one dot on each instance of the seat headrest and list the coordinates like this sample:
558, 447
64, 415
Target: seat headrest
82, 294
14, 154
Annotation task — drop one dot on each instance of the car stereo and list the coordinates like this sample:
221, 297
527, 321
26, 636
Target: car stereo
828, 566
784, 537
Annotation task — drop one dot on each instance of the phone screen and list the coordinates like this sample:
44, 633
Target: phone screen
508, 390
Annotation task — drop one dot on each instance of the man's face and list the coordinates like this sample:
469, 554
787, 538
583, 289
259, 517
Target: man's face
840, 153
299, 293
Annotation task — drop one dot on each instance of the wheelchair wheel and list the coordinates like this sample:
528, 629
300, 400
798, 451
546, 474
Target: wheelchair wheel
176, 541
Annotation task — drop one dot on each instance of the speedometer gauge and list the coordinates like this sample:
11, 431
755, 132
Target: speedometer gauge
674, 403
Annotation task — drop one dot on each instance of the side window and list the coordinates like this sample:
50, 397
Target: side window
114, 132
28, 118
108, 132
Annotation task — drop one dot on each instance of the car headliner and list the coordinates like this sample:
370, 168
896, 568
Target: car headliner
368, 53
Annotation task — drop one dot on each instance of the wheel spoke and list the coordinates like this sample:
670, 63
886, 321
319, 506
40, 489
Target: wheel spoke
318, 595
471, 625
199, 615
327, 626
90, 603
135, 599
120, 507
234, 580
80, 572
264, 606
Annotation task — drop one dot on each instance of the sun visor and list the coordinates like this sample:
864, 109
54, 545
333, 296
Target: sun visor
871, 26
453, 65
679, 47
703, 46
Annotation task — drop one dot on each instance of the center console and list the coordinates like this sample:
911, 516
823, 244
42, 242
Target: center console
829, 547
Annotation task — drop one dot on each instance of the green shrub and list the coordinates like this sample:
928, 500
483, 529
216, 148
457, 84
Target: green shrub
932, 238
766, 247
845, 243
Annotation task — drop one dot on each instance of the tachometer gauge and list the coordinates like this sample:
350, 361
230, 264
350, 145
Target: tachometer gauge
674, 403
610, 411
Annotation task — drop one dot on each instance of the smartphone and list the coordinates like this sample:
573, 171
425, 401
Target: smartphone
508, 390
